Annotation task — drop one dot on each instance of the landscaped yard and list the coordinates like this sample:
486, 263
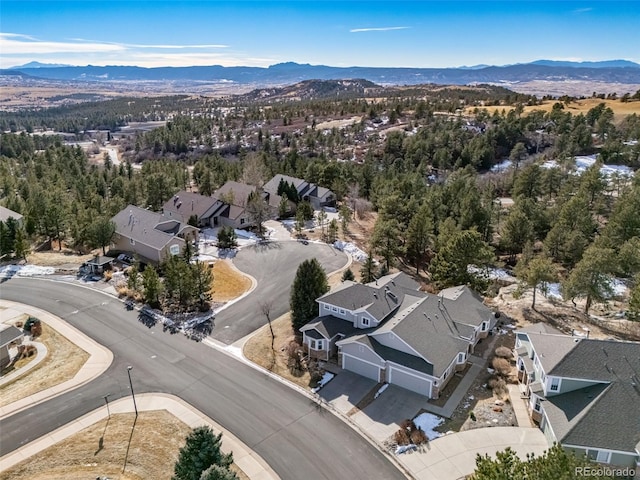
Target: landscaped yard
258, 350
228, 282
64, 359
150, 448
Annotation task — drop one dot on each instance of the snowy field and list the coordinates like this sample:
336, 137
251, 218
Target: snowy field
584, 162
348, 247
9, 271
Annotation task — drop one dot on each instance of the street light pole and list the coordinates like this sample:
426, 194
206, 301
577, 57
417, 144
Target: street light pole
106, 399
135, 407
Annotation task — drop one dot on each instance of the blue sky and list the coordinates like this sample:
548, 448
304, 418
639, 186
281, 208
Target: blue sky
350, 32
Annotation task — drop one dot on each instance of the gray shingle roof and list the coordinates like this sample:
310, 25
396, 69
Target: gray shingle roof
605, 415
302, 186
329, 326
9, 334
140, 225
5, 214
551, 349
395, 356
241, 192
540, 328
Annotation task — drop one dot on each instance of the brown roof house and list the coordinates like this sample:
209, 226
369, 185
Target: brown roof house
583, 393
152, 236
194, 208
235, 197
389, 331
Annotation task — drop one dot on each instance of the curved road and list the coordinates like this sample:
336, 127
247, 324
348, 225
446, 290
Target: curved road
296, 437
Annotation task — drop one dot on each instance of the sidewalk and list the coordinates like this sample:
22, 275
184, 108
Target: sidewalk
250, 463
100, 357
519, 407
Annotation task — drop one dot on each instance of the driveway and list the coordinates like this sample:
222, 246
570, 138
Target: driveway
345, 390
273, 265
453, 456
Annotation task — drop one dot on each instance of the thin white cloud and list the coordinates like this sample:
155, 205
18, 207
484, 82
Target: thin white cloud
15, 44
583, 10
156, 46
376, 29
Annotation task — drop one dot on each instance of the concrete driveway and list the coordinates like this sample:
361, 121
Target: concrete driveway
346, 390
453, 456
273, 265
382, 417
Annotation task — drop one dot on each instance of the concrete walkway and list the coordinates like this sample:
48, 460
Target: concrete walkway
453, 456
519, 406
458, 393
99, 361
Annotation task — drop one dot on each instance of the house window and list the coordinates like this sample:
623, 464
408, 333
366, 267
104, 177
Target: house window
318, 345
342, 311
242, 221
327, 307
484, 326
603, 456
365, 321
444, 377
335, 309
555, 384
460, 357
174, 249
132, 241
537, 406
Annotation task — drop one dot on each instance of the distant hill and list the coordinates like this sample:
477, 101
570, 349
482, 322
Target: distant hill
313, 89
603, 64
39, 65
614, 71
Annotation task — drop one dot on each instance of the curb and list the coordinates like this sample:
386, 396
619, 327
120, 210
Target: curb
100, 358
251, 464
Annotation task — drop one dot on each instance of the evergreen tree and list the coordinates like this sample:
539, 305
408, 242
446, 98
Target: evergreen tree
368, 270
21, 245
201, 451
591, 277
419, 237
306, 210
152, 286
202, 282
517, 230
386, 240
101, 232
634, 300
348, 275
258, 210
332, 231
345, 217
227, 237
309, 284
461, 249
534, 272
216, 472
283, 207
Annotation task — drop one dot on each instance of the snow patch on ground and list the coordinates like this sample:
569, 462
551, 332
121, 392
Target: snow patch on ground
427, 422
584, 162
348, 247
492, 273
380, 390
502, 166
326, 378
9, 271
554, 290
405, 448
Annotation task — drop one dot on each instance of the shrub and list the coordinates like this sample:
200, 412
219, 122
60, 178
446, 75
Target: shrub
503, 352
409, 433
498, 385
19, 324
294, 356
401, 437
501, 366
418, 437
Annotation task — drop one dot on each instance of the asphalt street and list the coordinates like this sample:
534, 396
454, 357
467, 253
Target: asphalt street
291, 433
274, 266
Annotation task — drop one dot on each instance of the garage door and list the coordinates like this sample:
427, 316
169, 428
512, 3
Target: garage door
410, 382
361, 368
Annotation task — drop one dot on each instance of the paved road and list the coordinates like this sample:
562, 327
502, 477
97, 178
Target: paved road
266, 263
289, 431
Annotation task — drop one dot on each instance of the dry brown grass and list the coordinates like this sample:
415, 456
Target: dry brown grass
55, 258
258, 350
64, 359
228, 282
620, 109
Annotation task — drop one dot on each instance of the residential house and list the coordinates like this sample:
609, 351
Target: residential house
9, 335
6, 214
152, 236
235, 198
194, 209
318, 196
391, 332
583, 393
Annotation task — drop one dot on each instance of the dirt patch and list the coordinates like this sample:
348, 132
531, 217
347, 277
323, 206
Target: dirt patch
601, 323
228, 282
150, 447
360, 230
258, 350
56, 259
64, 359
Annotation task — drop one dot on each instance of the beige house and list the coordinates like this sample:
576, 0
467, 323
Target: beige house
152, 236
6, 214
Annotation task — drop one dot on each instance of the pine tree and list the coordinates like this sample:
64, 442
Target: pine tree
309, 284
152, 286
216, 472
534, 272
201, 451
348, 275
368, 270
591, 277
419, 237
